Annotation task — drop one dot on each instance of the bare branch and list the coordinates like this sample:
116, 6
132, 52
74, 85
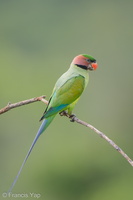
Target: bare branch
21, 103
73, 119
102, 135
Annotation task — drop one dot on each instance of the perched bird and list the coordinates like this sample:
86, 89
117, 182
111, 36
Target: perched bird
65, 95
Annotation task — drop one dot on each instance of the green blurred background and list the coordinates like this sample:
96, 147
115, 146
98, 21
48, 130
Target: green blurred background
38, 40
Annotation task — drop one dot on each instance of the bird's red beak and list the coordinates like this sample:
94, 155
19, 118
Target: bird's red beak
94, 66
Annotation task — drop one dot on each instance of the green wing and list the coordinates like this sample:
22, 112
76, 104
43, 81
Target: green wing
65, 95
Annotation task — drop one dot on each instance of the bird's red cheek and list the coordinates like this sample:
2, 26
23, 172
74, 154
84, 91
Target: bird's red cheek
94, 65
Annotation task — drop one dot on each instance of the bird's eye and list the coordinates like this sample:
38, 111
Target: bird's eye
91, 61
88, 60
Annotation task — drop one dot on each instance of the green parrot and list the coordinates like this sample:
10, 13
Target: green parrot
65, 95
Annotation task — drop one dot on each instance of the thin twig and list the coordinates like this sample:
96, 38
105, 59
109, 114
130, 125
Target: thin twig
21, 103
74, 119
102, 135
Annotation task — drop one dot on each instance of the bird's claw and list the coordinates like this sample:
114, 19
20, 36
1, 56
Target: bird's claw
72, 118
63, 113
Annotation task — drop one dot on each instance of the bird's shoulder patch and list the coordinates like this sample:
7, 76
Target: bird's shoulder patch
65, 95
71, 90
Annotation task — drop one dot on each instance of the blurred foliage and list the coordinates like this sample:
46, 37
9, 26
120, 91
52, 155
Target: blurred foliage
38, 41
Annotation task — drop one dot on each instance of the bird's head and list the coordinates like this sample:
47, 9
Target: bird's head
85, 62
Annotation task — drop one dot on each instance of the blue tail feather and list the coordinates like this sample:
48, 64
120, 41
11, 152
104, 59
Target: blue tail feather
42, 128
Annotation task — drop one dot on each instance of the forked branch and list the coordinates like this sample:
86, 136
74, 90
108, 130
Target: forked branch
21, 103
73, 118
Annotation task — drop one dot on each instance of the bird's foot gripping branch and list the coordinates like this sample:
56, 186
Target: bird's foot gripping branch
72, 116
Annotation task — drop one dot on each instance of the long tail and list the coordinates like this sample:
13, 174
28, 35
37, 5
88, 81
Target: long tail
42, 128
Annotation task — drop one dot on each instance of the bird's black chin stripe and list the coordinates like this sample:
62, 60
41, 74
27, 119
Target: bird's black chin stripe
82, 66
